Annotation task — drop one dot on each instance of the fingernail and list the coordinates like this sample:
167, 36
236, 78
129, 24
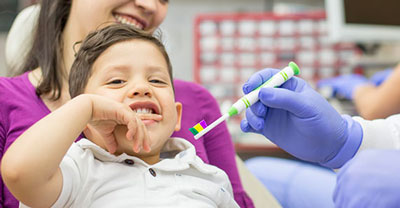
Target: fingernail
130, 138
137, 150
148, 149
112, 150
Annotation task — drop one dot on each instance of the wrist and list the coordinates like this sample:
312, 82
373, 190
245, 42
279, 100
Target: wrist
350, 147
85, 104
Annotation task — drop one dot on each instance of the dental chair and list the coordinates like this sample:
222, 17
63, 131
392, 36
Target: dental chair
18, 43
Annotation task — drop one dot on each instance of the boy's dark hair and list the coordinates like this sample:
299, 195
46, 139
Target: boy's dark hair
96, 43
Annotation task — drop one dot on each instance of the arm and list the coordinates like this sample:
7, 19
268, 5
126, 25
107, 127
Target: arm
34, 177
371, 179
381, 101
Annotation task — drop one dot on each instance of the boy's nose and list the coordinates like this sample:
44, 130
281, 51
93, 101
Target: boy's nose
140, 91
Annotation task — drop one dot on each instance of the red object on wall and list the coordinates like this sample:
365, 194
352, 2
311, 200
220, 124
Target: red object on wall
230, 47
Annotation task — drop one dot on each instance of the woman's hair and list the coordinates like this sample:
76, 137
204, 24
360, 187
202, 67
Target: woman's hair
46, 51
96, 43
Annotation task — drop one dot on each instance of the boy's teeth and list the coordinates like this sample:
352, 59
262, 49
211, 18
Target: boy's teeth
143, 110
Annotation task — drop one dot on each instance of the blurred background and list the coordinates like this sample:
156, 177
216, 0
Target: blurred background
219, 44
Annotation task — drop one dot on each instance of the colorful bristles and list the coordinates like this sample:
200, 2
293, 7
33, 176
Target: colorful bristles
198, 127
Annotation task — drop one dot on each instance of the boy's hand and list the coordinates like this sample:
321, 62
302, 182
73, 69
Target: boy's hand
107, 114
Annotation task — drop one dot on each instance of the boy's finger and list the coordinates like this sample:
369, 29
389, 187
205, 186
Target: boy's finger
146, 140
155, 117
145, 135
138, 136
131, 130
110, 143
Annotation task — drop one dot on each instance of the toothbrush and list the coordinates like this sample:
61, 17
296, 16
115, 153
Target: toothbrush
246, 101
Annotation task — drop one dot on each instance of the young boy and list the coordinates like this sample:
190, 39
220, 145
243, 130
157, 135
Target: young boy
121, 85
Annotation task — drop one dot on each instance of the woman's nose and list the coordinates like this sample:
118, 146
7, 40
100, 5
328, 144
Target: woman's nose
147, 5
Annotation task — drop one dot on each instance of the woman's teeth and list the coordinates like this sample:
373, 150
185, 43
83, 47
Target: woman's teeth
143, 111
129, 21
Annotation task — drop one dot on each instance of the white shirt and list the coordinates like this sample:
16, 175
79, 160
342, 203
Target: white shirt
380, 133
92, 177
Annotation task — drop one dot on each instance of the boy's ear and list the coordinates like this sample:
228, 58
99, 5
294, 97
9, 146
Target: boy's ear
178, 107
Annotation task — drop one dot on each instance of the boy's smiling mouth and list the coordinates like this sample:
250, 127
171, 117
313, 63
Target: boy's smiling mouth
147, 111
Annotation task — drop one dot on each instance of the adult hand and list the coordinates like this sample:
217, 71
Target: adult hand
380, 76
300, 121
107, 114
344, 85
371, 179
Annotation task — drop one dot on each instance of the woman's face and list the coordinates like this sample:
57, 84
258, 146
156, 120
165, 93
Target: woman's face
88, 15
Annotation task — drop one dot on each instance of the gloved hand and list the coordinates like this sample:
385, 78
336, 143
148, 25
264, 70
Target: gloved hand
300, 121
344, 85
371, 179
380, 76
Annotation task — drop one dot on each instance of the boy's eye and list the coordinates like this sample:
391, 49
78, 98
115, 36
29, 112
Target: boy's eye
164, 1
116, 81
157, 81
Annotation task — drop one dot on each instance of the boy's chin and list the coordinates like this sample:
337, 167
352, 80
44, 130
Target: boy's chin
124, 149
125, 145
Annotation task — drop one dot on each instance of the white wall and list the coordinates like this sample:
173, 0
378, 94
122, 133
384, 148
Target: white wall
178, 27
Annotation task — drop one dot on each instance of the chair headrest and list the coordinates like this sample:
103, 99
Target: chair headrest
20, 37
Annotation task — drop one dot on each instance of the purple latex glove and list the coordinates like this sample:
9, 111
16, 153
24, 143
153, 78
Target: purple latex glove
380, 76
371, 179
302, 122
344, 85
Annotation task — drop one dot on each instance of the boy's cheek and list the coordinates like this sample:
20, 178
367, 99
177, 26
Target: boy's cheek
93, 135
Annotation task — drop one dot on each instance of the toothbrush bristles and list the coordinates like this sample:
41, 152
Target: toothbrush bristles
198, 127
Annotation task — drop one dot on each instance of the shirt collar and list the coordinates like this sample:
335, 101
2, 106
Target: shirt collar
177, 154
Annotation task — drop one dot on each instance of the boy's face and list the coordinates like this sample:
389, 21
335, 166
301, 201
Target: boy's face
135, 73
